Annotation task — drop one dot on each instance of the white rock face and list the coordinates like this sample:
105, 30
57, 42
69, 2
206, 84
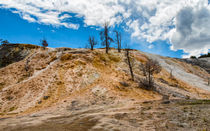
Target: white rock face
180, 73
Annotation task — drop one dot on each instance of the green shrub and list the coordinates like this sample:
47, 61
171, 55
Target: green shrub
193, 57
205, 55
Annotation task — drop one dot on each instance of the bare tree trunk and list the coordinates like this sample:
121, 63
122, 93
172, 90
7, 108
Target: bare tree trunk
107, 45
119, 48
91, 43
149, 75
118, 40
107, 50
119, 44
129, 64
106, 39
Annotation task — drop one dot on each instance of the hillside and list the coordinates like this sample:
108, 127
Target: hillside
90, 87
202, 62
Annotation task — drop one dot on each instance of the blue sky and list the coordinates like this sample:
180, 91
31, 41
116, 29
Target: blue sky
17, 30
179, 28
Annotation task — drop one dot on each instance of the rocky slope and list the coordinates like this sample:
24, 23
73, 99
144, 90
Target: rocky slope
45, 83
202, 62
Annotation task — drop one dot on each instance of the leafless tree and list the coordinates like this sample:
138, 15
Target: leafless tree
1, 41
118, 40
92, 42
4, 42
130, 62
44, 43
150, 67
105, 38
142, 68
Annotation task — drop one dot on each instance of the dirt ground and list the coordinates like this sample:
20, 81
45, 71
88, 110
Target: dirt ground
78, 90
148, 115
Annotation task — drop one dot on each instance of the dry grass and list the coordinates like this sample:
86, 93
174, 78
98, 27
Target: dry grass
23, 46
102, 60
141, 57
66, 57
114, 58
79, 62
2, 85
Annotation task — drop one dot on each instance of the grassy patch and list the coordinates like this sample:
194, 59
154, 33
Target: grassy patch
194, 102
29, 46
79, 62
12, 109
22, 46
9, 98
114, 58
101, 58
66, 57
141, 58
2, 85
109, 57
97, 63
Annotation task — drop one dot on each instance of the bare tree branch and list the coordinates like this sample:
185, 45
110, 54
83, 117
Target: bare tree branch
92, 42
149, 68
130, 62
118, 40
105, 38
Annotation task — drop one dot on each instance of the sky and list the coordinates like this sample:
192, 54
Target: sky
174, 28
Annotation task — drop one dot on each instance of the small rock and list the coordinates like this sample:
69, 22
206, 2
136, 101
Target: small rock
165, 102
46, 97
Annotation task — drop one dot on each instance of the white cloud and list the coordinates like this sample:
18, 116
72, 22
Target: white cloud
192, 32
151, 46
150, 20
65, 16
28, 18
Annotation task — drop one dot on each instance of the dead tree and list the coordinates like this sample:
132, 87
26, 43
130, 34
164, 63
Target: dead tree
105, 38
1, 41
150, 67
4, 42
118, 40
130, 62
44, 43
142, 68
92, 42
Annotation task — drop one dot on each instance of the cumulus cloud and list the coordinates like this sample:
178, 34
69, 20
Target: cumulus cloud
192, 32
28, 18
184, 23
